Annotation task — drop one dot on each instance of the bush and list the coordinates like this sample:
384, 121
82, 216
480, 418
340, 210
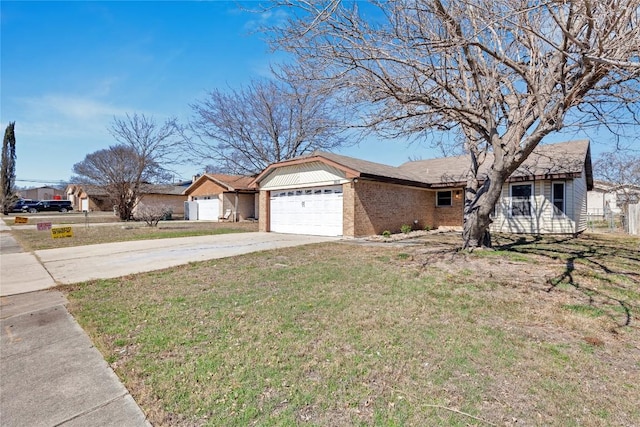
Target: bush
386, 233
152, 214
406, 228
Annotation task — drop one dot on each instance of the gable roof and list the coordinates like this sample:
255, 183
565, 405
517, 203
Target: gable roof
352, 167
551, 161
228, 182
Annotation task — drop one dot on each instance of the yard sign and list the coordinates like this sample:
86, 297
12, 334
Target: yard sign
21, 220
44, 226
60, 232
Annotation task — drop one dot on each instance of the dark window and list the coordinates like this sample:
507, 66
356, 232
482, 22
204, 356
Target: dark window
443, 198
521, 200
557, 195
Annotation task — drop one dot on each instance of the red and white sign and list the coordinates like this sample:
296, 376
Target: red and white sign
44, 226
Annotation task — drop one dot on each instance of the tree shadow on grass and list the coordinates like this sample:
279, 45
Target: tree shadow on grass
613, 265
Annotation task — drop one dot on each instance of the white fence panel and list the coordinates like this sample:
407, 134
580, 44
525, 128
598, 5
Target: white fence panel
634, 219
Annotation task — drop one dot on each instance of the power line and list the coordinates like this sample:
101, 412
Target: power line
48, 181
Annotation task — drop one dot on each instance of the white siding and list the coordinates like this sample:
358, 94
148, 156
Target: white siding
580, 202
307, 174
545, 219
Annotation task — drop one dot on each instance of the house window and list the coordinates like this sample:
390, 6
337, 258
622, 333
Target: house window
443, 198
521, 199
557, 196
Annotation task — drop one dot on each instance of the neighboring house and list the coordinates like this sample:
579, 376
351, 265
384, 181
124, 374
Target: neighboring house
169, 196
334, 195
606, 198
88, 198
602, 200
43, 193
91, 198
215, 197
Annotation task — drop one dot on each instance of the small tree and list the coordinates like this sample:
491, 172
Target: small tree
243, 131
144, 150
8, 169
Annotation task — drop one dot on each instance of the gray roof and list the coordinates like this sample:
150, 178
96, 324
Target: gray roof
545, 162
371, 169
172, 190
550, 161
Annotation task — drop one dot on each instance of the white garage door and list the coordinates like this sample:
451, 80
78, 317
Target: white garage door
315, 211
208, 209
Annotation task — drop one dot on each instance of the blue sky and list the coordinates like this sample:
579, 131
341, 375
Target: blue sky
67, 68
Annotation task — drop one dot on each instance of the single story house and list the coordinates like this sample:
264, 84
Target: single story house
334, 195
88, 198
43, 193
216, 197
169, 196
85, 197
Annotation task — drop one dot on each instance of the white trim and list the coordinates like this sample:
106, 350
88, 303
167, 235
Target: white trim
563, 211
531, 186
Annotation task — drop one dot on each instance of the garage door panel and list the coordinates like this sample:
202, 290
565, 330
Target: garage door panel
308, 211
209, 209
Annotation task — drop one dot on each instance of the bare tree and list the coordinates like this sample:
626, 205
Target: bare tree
142, 155
243, 131
8, 172
502, 74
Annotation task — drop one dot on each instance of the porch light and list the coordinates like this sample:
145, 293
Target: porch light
457, 194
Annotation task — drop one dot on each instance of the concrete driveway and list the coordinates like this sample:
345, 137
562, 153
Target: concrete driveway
77, 264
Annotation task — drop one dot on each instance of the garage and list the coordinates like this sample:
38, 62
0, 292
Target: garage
316, 211
208, 210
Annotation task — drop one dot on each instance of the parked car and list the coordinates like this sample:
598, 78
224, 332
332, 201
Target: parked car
23, 205
51, 205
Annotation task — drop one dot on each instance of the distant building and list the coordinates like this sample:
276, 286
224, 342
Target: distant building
607, 198
43, 193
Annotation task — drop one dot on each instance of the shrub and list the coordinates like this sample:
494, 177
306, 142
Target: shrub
406, 228
386, 233
151, 213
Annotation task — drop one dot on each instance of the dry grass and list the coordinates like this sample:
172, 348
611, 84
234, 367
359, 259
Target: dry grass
32, 240
538, 332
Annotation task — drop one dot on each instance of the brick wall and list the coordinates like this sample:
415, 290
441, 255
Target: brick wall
263, 201
449, 216
207, 188
376, 207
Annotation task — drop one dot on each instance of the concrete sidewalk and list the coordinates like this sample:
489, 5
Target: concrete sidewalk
51, 373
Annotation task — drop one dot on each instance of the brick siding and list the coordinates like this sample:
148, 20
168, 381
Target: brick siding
373, 207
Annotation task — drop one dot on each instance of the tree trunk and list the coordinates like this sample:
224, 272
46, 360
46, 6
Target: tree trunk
480, 202
476, 232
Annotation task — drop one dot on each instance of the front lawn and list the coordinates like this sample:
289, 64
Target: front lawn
83, 234
539, 332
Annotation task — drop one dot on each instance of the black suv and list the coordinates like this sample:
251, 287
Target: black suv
51, 205
23, 205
